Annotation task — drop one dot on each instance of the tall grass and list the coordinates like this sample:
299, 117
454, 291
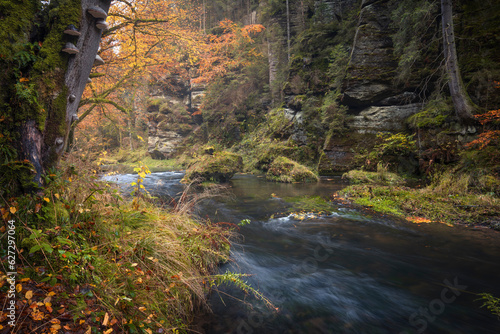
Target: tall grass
142, 267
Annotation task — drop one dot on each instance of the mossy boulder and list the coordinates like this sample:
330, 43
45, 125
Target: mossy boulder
380, 177
216, 167
285, 170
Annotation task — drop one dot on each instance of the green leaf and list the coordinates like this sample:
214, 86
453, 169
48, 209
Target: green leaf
47, 248
35, 249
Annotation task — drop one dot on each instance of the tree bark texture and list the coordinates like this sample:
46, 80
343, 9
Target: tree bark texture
40, 97
461, 102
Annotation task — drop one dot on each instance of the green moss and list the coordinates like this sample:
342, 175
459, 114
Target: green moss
219, 167
15, 24
285, 170
381, 177
308, 204
451, 199
60, 15
433, 115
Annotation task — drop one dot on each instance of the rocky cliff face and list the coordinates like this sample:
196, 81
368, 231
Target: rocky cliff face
334, 70
367, 87
376, 103
171, 107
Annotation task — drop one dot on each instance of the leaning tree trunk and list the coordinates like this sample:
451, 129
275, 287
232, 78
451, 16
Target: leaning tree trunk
44, 78
461, 102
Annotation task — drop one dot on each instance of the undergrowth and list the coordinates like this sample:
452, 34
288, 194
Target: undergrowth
449, 199
91, 262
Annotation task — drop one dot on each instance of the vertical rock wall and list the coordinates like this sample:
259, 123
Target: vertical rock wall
172, 114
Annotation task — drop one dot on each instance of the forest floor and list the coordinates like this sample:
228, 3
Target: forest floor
91, 261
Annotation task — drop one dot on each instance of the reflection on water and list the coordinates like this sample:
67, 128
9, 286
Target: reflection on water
346, 271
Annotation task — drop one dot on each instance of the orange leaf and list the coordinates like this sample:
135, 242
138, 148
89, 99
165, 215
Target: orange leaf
37, 315
13, 209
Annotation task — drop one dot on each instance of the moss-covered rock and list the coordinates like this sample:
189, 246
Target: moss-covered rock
381, 177
217, 167
285, 170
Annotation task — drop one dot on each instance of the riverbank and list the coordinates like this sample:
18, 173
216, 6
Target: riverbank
92, 261
450, 199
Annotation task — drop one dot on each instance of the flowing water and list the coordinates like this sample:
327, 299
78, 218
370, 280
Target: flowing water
344, 270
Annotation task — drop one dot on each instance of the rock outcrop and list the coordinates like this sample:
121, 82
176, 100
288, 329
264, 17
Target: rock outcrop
171, 107
372, 63
376, 103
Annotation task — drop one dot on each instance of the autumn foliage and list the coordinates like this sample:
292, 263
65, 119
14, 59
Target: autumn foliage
228, 50
151, 42
490, 122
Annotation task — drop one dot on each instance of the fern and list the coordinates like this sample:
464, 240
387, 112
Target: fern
236, 280
491, 303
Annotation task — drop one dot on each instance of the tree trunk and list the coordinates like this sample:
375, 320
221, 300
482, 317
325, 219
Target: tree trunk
288, 30
461, 101
42, 95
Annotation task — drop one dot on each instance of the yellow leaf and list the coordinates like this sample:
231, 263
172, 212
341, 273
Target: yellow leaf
13, 209
89, 330
56, 195
134, 264
142, 308
69, 179
149, 331
140, 138
19, 288
106, 319
108, 331
46, 199
51, 293
25, 279
29, 294
82, 322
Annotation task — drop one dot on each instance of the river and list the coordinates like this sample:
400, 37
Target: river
342, 270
